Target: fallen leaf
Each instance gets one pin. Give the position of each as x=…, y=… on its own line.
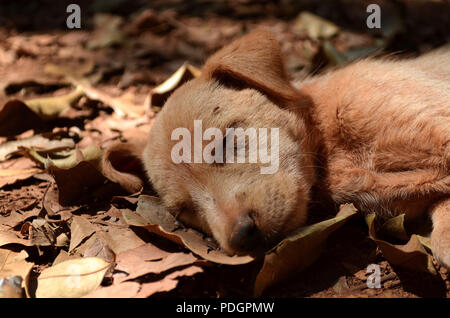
x=16, y=117
x=36, y=142
x=394, y=228
x=26, y=72
x=121, y=239
x=167, y=283
x=160, y=93
x=314, y=26
x=153, y=216
x=14, y=264
x=80, y=229
x=18, y=217
x=100, y=249
x=70, y=159
x=298, y=251
x=52, y=107
x=8, y=237
x=412, y=255
x=81, y=183
x=148, y=259
x=42, y=233
x=71, y=279
x=17, y=170
x=123, y=105
x=53, y=207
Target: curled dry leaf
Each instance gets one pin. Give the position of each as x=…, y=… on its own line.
x=151, y=215
x=314, y=26
x=70, y=159
x=298, y=251
x=36, y=142
x=72, y=279
x=160, y=93
x=412, y=255
x=52, y=107
x=77, y=182
x=123, y=105
x=8, y=237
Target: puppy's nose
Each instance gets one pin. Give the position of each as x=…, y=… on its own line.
x=245, y=236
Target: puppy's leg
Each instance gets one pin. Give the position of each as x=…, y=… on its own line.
x=440, y=236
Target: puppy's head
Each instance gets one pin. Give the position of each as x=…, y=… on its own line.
x=246, y=206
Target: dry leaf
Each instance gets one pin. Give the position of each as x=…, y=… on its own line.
x=37, y=142
x=298, y=251
x=121, y=239
x=394, y=228
x=16, y=117
x=100, y=249
x=52, y=107
x=72, y=279
x=71, y=158
x=148, y=259
x=81, y=182
x=314, y=26
x=80, y=229
x=412, y=255
x=20, y=169
x=153, y=216
x=8, y=237
x=14, y=264
x=42, y=233
x=160, y=93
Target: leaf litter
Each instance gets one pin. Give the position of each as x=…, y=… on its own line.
x=117, y=240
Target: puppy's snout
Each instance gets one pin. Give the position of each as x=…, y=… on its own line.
x=245, y=236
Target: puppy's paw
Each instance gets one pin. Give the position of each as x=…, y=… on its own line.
x=440, y=244
x=440, y=236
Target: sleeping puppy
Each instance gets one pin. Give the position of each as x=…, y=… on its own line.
x=375, y=133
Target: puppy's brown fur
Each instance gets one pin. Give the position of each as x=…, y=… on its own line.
x=376, y=133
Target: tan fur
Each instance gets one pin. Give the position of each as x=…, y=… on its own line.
x=376, y=133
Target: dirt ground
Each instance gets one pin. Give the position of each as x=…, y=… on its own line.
x=127, y=48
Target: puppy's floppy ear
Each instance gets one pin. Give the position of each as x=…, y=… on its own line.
x=254, y=60
x=122, y=163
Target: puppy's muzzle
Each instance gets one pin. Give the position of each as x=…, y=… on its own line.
x=245, y=236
